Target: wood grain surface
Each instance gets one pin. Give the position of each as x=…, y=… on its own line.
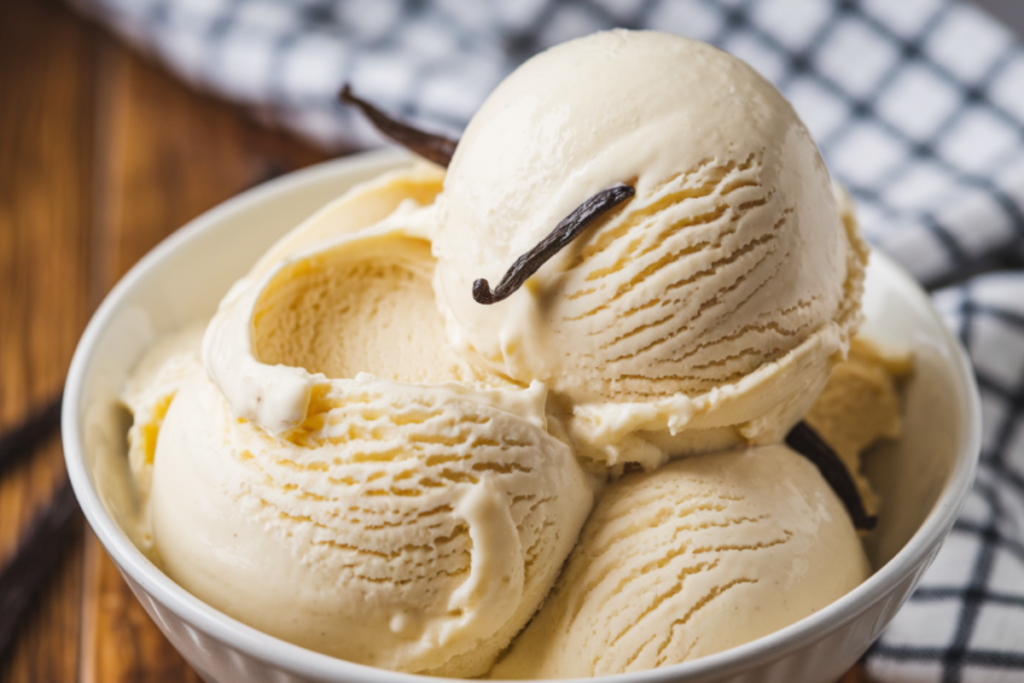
x=102, y=155
x=45, y=201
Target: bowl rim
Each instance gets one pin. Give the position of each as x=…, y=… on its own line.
x=301, y=661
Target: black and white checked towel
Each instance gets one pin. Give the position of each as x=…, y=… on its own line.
x=918, y=106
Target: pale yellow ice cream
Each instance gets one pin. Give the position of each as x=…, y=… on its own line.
x=364, y=305
x=398, y=508
x=704, y=312
x=705, y=554
x=860, y=405
x=409, y=528
x=299, y=315
x=363, y=206
x=168, y=364
x=364, y=461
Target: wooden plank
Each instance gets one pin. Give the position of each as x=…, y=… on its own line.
x=858, y=674
x=46, y=60
x=166, y=154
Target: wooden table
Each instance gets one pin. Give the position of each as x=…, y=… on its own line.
x=102, y=155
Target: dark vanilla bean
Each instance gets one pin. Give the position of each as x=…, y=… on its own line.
x=809, y=444
x=566, y=231
x=21, y=439
x=37, y=555
x=436, y=148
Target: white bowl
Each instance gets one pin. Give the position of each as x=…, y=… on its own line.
x=922, y=480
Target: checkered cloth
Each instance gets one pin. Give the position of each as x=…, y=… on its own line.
x=918, y=106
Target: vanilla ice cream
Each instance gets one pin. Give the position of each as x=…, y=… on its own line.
x=366, y=462
x=704, y=312
x=366, y=204
x=345, y=482
x=707, y=553
x=165, y=367
x=860, y=405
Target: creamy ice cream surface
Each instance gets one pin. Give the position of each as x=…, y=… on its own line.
x=161, y=372
x=410, y=513
x=717, y=296
x=359, y=458
x=860, y=405
x=406, y=527
x=706, y=553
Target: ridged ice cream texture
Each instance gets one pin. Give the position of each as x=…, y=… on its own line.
x=706, y=311
x=341, y=477
x=413, y=518
x=706, y=553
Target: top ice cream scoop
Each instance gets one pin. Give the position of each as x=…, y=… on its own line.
x=715, y=299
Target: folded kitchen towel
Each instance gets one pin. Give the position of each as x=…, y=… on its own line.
x=918, y=106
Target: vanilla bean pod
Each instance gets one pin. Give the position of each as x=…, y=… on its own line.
x=436, y=148
x=37, y=555
x=809, y=444
x=21, y=439
x=568, y=230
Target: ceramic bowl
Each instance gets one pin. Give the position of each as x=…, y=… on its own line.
x=922, y=480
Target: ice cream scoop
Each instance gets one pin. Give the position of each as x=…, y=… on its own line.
x=346, y=292
x=706, y=553
x=704, y=312
x=365, y=205
x=860, y=405
x=372, y=464
x=164, y=368
x=342, y=480
x=410, y=528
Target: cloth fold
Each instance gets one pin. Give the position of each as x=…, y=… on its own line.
x=917, y=105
